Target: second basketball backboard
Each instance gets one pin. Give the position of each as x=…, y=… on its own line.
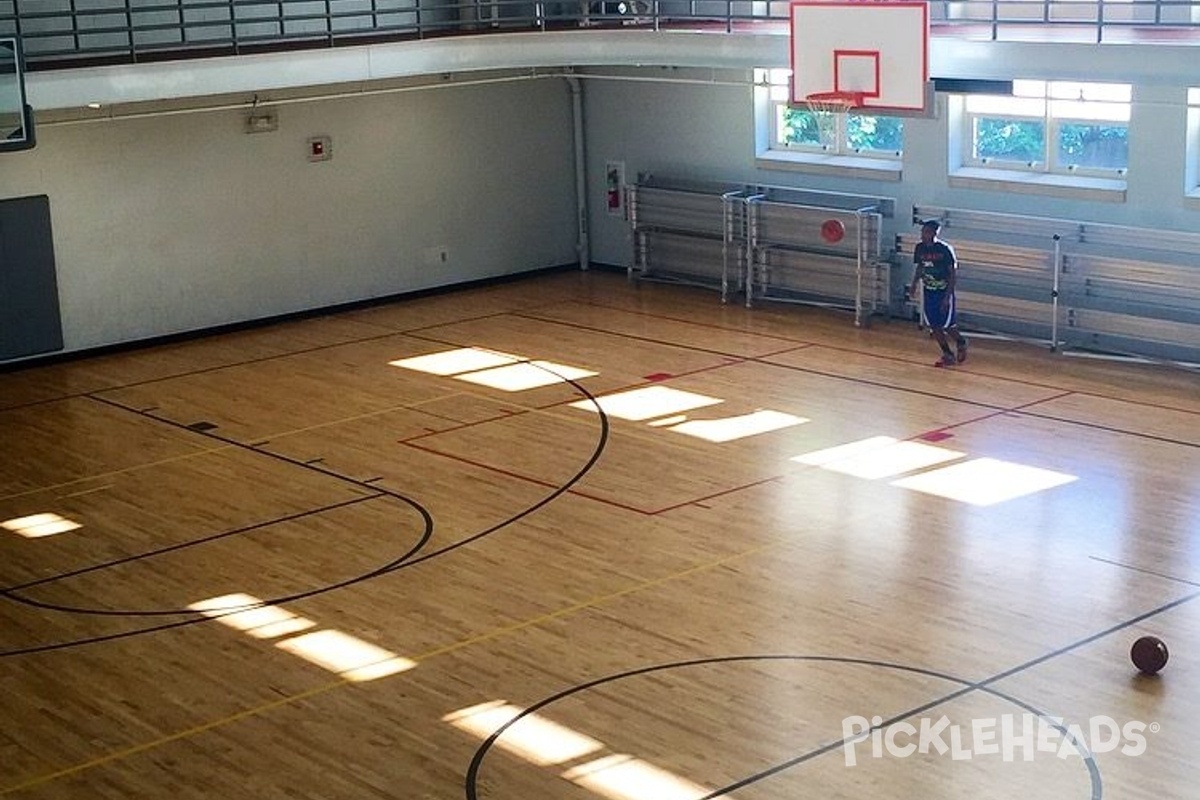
x=877, y=51
x=16, y=118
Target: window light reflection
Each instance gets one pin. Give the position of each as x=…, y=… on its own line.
x=533, y=738
x=531, y=375
x=647, y=403
x=36, y=526
x=258, y=620
x=851, y=450
x=892, y=459
x=739, y=427
x=454, y=362
x=985, y=481
x=623, y=777
x=351, y=658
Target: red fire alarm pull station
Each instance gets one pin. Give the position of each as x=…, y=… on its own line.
x=320, y=148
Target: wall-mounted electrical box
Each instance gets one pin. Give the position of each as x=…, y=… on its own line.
x=262, y=122
x=320, y=148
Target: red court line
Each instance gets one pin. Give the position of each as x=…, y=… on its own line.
x=524, y=478
x=596, y=498
x=693, y=501
x=801, y=344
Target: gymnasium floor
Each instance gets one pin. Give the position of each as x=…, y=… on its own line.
x=570, y=538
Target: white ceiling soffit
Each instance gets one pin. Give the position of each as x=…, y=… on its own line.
x=137, y=83
x=949, y=57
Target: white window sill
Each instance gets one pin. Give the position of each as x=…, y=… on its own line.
x=1192, y=199
x=1105, y=190
x=821, y=164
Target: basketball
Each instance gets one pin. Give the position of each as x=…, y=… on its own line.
x=1149, y=654
x=832, y=230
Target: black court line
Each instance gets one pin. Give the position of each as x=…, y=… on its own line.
x=968, y=687
x=993, y=411
x=407, y=559
x=195, y=617
x=1120, y=626
x=1172, y=366
x=411, y=560
x=391, y=566
x=561, y=489
x=133, y=350
x=801, y=344
x=527, y=312
x=1144, y=571
x=1023, y=408
x=765, y=359
x=471, y=779
x=1095, y=426
x=986, y=683
x=116, y=562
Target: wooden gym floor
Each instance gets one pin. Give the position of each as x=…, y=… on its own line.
x=303, y=561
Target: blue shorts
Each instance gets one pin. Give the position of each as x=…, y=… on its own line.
x=934, y=315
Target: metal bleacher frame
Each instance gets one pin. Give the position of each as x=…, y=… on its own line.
x=688, y=232
x=763, y=242
x=1077, y=286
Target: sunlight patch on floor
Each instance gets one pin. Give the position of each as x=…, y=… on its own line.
x=545, y=743
x=638, y=405
x=527, y=375
x=533, y=738
x=985, y=481
x=37, y=526
x=455, y=362
x=348, y=656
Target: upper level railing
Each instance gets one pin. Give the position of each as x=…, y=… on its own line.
x=60, y=33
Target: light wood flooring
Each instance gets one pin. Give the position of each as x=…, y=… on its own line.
x=439, y=588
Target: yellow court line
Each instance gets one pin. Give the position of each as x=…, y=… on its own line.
x=113, y=473
x=270, y=437
x=203, y=451
x=82, y=492
x=222, y=445
x=438, y=651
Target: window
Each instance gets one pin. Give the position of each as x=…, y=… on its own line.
x=1055, y=127
x=1191, y=173
x=803, y=130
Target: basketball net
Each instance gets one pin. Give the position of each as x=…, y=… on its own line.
x=825, y=108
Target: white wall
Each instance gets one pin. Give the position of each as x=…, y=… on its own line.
x=654, y=123
x=697, y=131
x=176, y=223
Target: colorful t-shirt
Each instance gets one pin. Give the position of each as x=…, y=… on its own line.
x=938, y=261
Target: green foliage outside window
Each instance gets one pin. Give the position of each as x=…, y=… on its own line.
x=1079, y=144
x=1090, y=145
x=864, y=133
x=802, y=127
x=1010, y=139
x=875, y=133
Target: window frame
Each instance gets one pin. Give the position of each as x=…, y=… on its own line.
x=1191, y=176
x=777, y=82
x=1052, y=98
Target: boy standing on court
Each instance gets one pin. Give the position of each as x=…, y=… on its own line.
x=936, y=267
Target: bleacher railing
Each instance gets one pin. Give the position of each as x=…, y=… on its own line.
x=57, y=33
x=1081, y=286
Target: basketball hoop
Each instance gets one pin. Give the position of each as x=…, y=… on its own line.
x=825, y=106
x=833, y=102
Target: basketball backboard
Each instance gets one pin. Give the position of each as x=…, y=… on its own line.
x=878, y=51
x=16, y=118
